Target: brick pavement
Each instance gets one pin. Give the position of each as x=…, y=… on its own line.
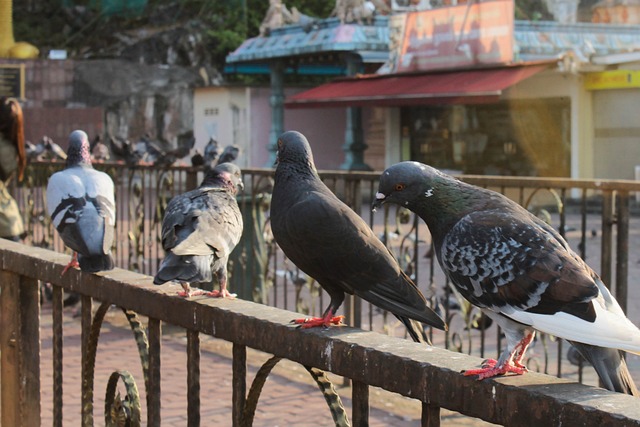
x=290, y=397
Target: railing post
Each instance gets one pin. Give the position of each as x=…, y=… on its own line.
x=360, y=409
x=154, y=335
x=20, y=350
x=192, y=180
x=430, y=415
x=57, y=304
x=239, y=393
x=606, y=250
x=622, y=249
x=87, y=388
x=193, y=378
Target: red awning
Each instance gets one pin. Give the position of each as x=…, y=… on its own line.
x=452, y=87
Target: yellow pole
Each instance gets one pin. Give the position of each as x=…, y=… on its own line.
x=6, y=27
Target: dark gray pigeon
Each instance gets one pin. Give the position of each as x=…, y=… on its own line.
x=81, y=204
x=200, y=228
x=518, y=270
x=331, y=243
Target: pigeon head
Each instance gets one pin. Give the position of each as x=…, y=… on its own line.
x=294, y=149
x=407, y=183
x=78, y=150
x=228, y=175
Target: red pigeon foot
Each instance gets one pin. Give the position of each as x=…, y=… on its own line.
x=214, y=294
x=72, y=264
x=314, y=322
x=489, y=369
x=186, y=290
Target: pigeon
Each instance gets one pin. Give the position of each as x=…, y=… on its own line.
x=331, y=243
x=81, y=204
x=34, y=151
x=210, y=152
x=52, y=149
x=122, y=150
x=518, y=270
x=197, y=160
x=99, y=150
x=229, y=154
x=200, y=228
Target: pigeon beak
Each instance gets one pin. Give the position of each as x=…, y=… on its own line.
x=380, y=200
x=241, y=186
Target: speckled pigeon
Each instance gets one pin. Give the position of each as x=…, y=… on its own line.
x=518, y=270
x=331, y=243
x=81, y=204
x=200, y=228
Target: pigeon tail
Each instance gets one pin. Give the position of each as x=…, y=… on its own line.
x=95, y=263
x=415, y=330
x=190, y=269
x=610, y=366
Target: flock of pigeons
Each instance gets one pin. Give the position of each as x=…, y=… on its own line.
x=145, y=151
x=516, y=268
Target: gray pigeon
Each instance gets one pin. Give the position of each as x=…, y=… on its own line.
x=334, y=245
x=81, y=204
x=200, y=228
x=518, y=270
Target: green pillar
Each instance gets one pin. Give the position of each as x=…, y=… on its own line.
x=277, y=110
x=354, y=145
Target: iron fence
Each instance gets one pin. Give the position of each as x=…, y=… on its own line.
x=430, y=375
x=594, y=215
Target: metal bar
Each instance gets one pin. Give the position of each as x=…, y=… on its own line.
x=360, y=409
x=20, y=350
x=87, y=388
x=193, y=378
x=622, y=249
x=29, y=351
x=57, y=305
x=154, y=335
x=238, y=398
x=430, y=415
x=9, y=355
x=606, y=250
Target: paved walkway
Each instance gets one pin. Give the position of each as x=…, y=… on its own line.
x=289, y=398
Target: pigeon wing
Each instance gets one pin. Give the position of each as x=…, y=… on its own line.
x=202, y=222
x=332, y=244
x=509, y=262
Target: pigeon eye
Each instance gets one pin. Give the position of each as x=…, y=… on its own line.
x=279, y=143
x=400, y=187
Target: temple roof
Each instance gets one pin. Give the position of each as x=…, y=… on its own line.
x=315, y=47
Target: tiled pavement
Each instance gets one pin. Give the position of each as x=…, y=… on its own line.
x=289, y=398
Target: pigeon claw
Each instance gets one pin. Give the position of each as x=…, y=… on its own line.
x=490, y=368
x=72, y=264
x=314, y=322
x=219, y=294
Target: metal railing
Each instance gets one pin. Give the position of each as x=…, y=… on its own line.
x=594, y=215
x=430, y=375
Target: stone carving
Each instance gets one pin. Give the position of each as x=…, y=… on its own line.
x=277, y=16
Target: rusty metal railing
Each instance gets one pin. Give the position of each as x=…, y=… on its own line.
x=596, y=217
x=430, y=375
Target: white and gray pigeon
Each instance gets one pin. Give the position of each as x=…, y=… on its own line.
x=81, y=204
x=327, y=240
x=518, y=270
x=200, y=228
